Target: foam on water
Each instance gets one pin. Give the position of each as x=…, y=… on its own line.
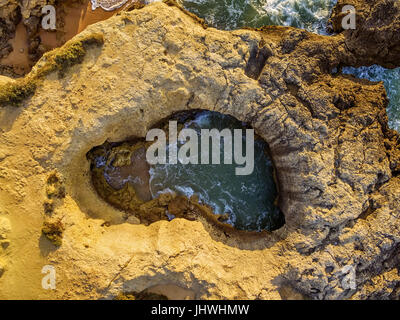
x=306, y=14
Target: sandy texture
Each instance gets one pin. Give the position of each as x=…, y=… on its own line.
x=376, y=38
x=23, y=40
x=337, y=164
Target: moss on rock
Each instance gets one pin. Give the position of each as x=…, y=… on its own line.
x=72, y=53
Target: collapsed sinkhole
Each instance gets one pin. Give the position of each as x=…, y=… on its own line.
x=125, y=177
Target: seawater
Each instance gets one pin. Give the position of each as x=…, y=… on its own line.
x=248, y=200
x=311, y=15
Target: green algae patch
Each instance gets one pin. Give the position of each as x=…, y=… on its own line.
x=74, y=52
x=58, y=60
x=70, y=54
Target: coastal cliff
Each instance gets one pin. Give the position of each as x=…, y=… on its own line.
x=337, y=162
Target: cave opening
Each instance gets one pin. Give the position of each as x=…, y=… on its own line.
x=196, y=190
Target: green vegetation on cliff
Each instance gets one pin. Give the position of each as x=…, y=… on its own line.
x=58, y=60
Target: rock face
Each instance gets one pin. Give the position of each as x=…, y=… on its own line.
x=22, y=22
x=10, y=15
x=337, y=163
x=5, y=229
x=376, y=39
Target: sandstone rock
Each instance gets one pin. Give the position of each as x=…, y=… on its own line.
x=133, y=220
x=4, y=80
x=337, y=162
x=2, y=268
x=5, y=227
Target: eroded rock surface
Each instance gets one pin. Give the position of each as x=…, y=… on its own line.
x=5, y=229
x=337, y=163
x=10, y=15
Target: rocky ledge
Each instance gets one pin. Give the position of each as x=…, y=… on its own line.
x=337, y=162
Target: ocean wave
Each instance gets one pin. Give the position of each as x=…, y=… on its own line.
x=232, y=14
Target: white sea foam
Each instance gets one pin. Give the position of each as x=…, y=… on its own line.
x=111, y=5
x=391, y=81
x=108, y=5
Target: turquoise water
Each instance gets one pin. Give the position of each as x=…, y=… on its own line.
x=305, y=14
x=247, y=199
x=232, y=14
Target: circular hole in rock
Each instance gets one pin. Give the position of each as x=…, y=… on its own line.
x=122, y=175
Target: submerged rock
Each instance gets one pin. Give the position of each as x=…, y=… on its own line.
x=337, y=161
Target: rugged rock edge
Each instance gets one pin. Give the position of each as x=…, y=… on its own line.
x=336, y=158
